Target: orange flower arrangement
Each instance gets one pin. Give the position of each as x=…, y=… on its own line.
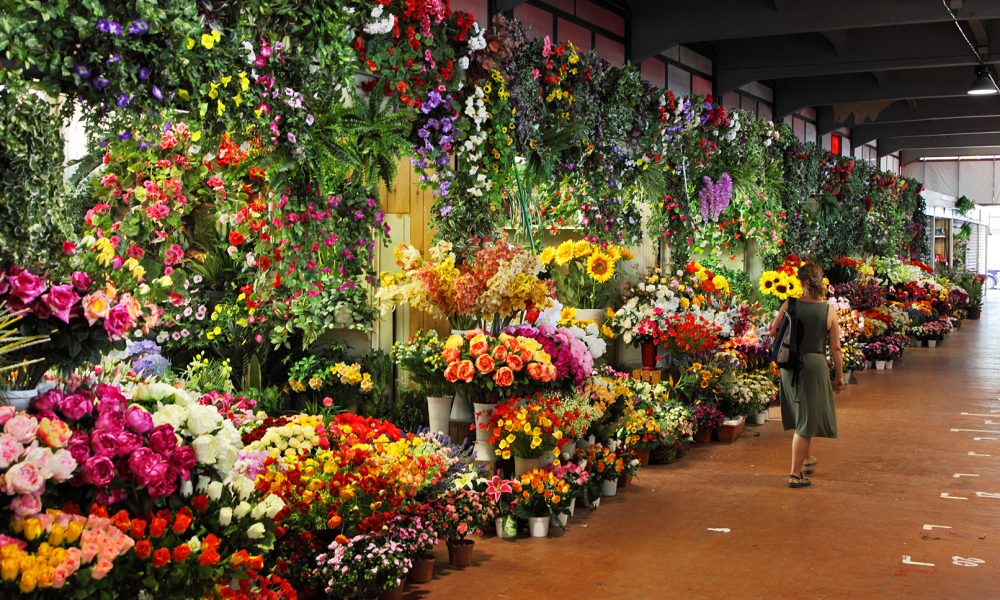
x=495, y=366
x=542, y=494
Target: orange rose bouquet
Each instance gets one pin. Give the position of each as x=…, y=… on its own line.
x=489, y=367
x=543, y=494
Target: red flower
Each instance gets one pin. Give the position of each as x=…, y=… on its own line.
x=236, y=238
x=181, y=553
x=143, y=549
x=157, y=527
x=161, y=557
x=200, y=503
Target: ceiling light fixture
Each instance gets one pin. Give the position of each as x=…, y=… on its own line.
x=984, y=83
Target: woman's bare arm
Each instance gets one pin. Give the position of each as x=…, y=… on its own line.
x=838, y=354
x=773, y=330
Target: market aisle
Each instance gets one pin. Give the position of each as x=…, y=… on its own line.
x=845, y=537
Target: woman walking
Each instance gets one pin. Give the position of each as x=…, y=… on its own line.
x=807, y=396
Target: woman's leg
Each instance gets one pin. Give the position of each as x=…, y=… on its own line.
x=800, y=451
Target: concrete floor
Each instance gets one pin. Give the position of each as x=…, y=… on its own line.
x=875, y=492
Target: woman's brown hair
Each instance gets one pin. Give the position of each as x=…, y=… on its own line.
x=811, y=277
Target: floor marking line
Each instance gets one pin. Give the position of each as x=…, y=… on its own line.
x=991, y=415
x=974, y=453
x=908, y=560
x=958, y=561
x=948, y=496
x=975, y=430
x=979, y=439
x=928, y=527
x=720, y=529
x=988, y=495
x=958, y=475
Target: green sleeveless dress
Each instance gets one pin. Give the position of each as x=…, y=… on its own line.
x=807, y=406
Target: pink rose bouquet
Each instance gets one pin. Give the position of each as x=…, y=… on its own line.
x=32, y=452
x=115, y=443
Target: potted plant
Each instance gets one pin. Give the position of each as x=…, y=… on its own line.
x=972, y=283
x=543, y=496
x=505, y=494
x=364, y=566
x=421, y=356
x=604, y=466
x=708, y=418
x=527, y=429
x=578, y=479
x=464, y=511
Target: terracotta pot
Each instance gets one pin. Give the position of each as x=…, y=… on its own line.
x=460, y=553
x=422, y=570
x=703, y=436
x=648, y=356
x=643, y=455
x=624, y=481
x=729, y=433
x=395, y=593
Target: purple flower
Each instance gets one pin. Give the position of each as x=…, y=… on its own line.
x=82, y=71
x=124, y=136
x=100, y=82
x=138, y=27
x=714, y=197
x=446, y=210
x=310, y=119
x=123, y=100
x=114, y=59
x=144, y=73
x=358, y=215
x=157, y=93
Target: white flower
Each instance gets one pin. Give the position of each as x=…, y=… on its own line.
x=187, y=488
x=380, y=27
x=255, y=531
x=215, y=490
x=258, y=512
x=225, y=516
x=205, y=449
x=274, y=505
x=242, y=509
x=156, y=390
x=171, y=414
x=463, y=63
x=203, y=419
x=194, y=544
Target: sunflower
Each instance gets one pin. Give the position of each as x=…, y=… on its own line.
x=781, y=287
x=582, y=248
x=794, y=288
x=600, y=266
x=767, y=281
x=547, y=255
x=567, y=315
x=564, y=253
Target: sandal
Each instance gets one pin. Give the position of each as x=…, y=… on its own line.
x=809, y=468
x=800, y=481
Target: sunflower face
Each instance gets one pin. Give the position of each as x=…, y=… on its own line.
x=547, y=255
x=600, y=267
x=565, y=253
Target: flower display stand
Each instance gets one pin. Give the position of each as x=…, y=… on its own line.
x=731, y=429
x=703, y=436
x=651, y=377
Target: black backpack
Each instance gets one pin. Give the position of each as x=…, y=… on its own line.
x=786, y=347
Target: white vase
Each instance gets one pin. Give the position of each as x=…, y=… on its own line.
x=597, y=315
x=558, y=520
x=439, y=412
x=19, y=399
x=569, y=450
x=522, y=465
x=880, y=365
x=538, y=526
x=760, y=418
x=483, y=414
x=932, y=343
x=501, y=533
x=461, y=408
x=485, y=451
x=888, y=364
x=609, y=488
x=572, y=506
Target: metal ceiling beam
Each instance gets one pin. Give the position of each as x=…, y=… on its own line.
x=738, y=62
x=910, y=155
x=794, y=93
x=661, y=24
x=967, y=140
x=865, y=133
x=849, y=115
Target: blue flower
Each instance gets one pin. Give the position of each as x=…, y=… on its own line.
x=114, y=58
x=100, y=82
x=144, y=73
x=82, y=71
x=157, y=93
x=138, y=27
x=124, y=136
x=123, y=100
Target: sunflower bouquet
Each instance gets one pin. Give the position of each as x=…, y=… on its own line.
x=783, y=283
x=584, y=272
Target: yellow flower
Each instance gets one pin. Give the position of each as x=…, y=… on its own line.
x=567, y=314
x=208, y=41
x=767, y=281
x=582, y=248
x=600, y=267
x=190, y=43
x=547, y=255
x=565, y=253
x=607, y=331
x=184, y=94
